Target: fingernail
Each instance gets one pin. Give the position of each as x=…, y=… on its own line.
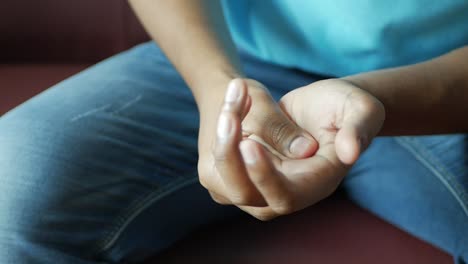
x=299, y=146
x=233, y=91
x=248, y=152
x=224, y=126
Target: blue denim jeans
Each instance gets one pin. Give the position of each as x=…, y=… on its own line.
x=101, y=168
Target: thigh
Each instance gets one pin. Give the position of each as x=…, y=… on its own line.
x=419, y=184
x=102, y=167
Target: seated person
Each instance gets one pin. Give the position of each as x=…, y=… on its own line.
x=269, y=105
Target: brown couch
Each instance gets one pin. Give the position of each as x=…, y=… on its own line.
x=45, y=41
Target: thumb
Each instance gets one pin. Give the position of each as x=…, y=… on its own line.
x=286, y=137
x=272, y=127
x=356, y=133
x=349, y=143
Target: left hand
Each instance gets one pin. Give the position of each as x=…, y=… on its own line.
x=340, y=116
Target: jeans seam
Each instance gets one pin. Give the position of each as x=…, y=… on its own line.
x=136, y=208
x=437, y=169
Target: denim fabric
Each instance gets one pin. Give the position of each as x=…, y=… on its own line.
x=419, y=184
x=101, y=168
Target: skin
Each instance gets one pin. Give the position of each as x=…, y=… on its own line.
x=338, y=118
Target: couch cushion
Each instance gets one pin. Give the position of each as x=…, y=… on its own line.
x=330, y=232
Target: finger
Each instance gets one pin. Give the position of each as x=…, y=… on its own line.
x=361, y=122
x=268, y=181
x=286, y=137
x=314, y=178
x=211, y=180
x=236, y=97
x=349, y=144
x=359, y=126
x=219, y=198
x=276, y=129
x=261, y=213
x=247, y=105
x=228, y=160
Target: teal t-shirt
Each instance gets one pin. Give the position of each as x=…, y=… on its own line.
x=342, y=37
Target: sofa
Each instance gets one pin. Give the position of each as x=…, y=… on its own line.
x=43, y=42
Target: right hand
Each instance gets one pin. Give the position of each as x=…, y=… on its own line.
x=262, y=120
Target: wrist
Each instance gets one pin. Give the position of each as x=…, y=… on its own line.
x=209, y=88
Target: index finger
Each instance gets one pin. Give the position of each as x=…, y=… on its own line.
x=228, y=160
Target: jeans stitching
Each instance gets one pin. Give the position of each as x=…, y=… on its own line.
x=437, y=168
x=136, y=208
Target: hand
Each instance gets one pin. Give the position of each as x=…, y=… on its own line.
x=249, y=102
x=340, y=116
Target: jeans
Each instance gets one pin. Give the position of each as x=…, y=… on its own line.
x=101, y=168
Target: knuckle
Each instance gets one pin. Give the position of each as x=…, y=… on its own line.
x=203, y=182
x=367, y=105
x=218, y=199
x=201, y=168
x=364, y=106
x=284, y=206
x=206, y=179
x=242, y=197
x=278, y=130
x=262, y=216
x=239, y=198
x=220, y=155
x=203, y=173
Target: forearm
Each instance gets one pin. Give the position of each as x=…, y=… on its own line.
x=194, y=36
x=425, y=98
